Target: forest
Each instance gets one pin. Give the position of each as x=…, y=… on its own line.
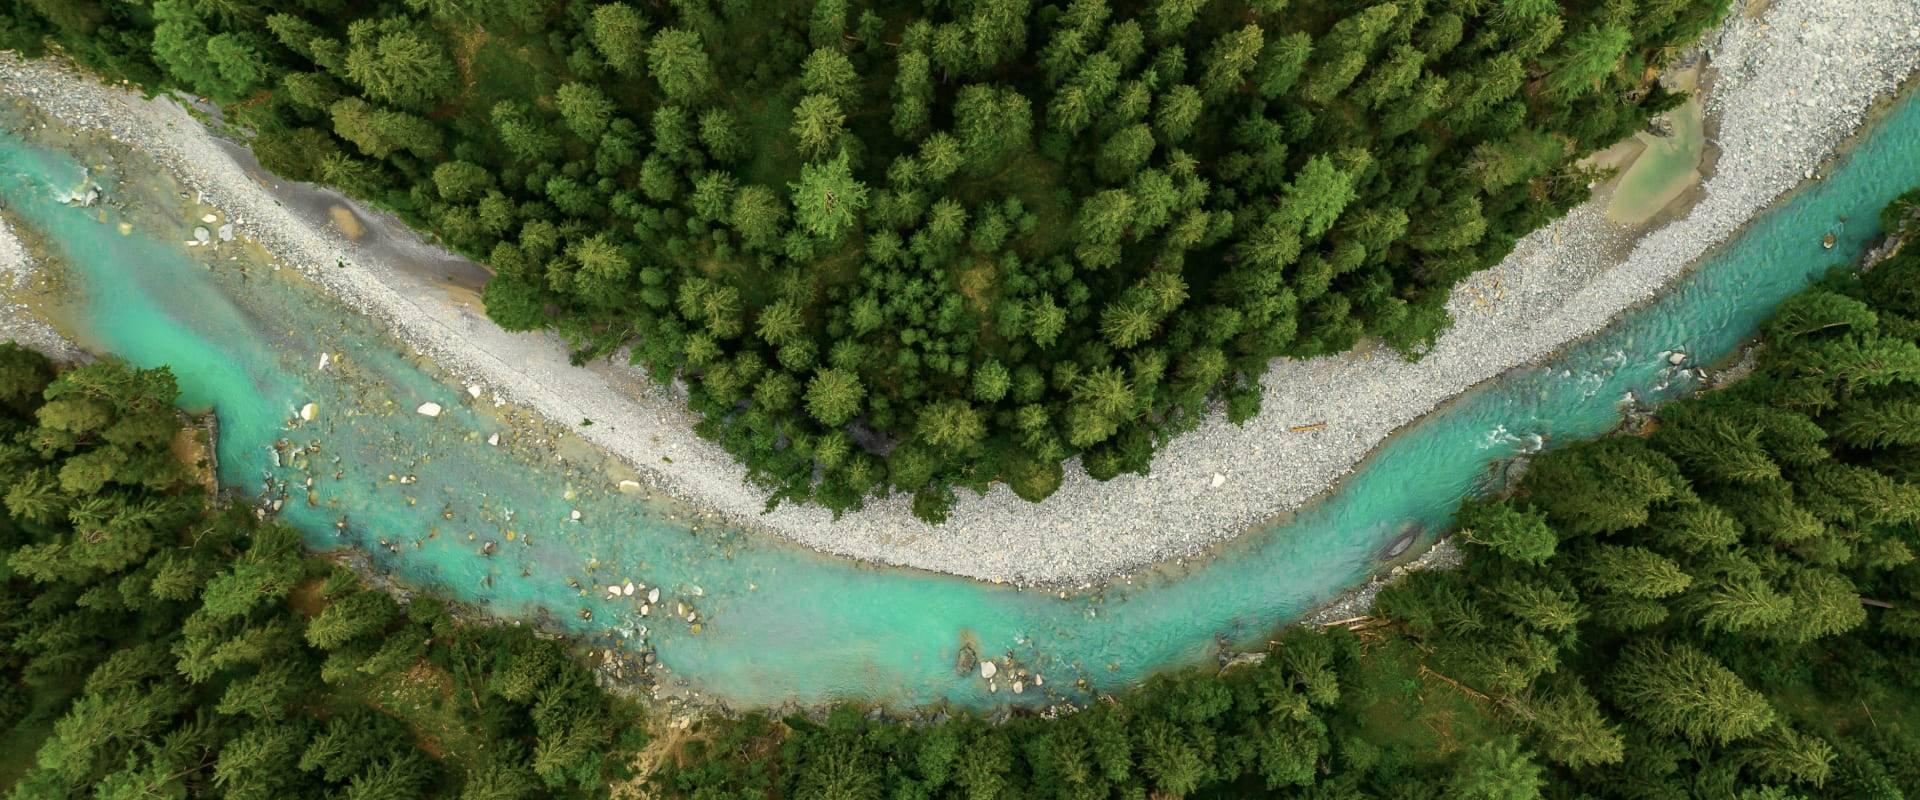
x=155, y=646
x=1722, y=601
x=903, y=247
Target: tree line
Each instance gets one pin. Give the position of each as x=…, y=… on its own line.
x=906, y=247
x=1726, y=605
x=154, y=646
x=1723, y=603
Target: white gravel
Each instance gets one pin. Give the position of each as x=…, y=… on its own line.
x=1791, y=87
x=17, y=321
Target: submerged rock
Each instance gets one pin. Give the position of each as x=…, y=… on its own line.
x=1676, y=358
x=308, y=412
x=988, y=669
x=429, y=409
x=965, y=663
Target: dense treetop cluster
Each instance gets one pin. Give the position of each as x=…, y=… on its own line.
x=152, y=648
x=905, y=246
x=1726, y=606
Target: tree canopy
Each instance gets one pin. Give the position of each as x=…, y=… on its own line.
x=927, y=194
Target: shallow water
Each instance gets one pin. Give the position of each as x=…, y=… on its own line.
x=1664, y=170
x=778, y=623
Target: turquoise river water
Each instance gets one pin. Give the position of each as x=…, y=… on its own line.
x=778, y=623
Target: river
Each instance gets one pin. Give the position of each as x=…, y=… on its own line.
x=774, y=623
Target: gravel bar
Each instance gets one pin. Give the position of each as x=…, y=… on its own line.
x=1791, y=86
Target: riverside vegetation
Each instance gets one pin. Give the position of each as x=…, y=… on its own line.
x=152, y=648
x=1724, y=602
x=906, y=247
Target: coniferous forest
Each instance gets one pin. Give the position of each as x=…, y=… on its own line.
x=1723, y=602
x=907, y=247
x=154, y=647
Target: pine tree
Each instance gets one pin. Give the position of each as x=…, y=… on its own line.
x=618, y=32
x=818, y=124
x=1341, y=55
x=828, y=200
x=827, y=71
x=1511, y=532
x=1633, y=571
x=1229, y=61
x=1588, y=57
x=758, y=215
x=1571, y=729
x=1872, y=422
x=833, y=396
x=678, y=62
x=1677, y=689
x=398, y=62
x=584, y=109
x=1495, y=770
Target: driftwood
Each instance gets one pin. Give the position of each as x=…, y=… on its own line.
x=1312, y=426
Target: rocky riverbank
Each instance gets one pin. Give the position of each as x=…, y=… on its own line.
x=1791, y=85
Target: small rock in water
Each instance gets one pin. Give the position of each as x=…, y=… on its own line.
x=1218, y=479
x=209, y=219
x=574, y=515
x=988, y=669
x=627, y=589
x=966, y=661
x=1677, y=358
x=1019, y=687
x=645, y=609
x=202, y=235
x=474, y=391
x=653, y=595
x=629, y=486
x=325, y=359
x=308, y=412
x=494, y=440
x=226, y=232
x=429, y=409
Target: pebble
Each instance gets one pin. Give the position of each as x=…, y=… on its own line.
x=1557, y=285
x=429, y=409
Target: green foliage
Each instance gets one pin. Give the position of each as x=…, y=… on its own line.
x=163, y=659
x=964, y=183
